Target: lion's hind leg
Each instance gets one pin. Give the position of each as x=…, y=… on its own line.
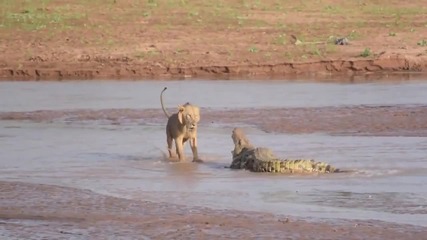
x=169, y=140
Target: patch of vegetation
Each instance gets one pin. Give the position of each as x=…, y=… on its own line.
x=289, y=56
x=152, y=3
x=392, y=34
x=146, y=14
x=319, y=50
x=332, y=9
x=331, y=48
x=267, y=55
x=253, y=49
x=36, y=15
x=361, y=24
x=354, y=35
x=385, y=10
x=316, y=51
x=280, y=25
x=366, y=53
x=280, y=40
x=422, y=43
x=181, y=51
x=145, y=54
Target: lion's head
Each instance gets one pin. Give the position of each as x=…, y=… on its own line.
x=189, y=115
x=239, y=138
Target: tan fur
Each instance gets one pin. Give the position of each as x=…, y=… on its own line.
x=240, y=141
x=182, y=126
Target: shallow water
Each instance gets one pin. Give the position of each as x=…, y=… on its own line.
x=30, y=96
x=127, y=160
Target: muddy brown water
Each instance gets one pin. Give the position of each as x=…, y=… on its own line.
x=125, y=157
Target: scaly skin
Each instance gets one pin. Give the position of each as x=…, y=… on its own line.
x=246, y=156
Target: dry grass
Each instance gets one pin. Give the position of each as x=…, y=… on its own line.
x=169, y=24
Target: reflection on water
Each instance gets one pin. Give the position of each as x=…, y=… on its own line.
x=128, y=160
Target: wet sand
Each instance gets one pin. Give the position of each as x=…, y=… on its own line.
x=403, y=120
x=53, y=212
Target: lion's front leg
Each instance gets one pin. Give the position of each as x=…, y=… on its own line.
x=180, y=148
x=193, y=144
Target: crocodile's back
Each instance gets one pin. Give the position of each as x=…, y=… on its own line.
x=292, y=166
x=265, y=161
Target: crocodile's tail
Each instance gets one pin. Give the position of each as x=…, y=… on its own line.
x=323, y=167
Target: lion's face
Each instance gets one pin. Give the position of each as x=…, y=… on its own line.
x=189, y=115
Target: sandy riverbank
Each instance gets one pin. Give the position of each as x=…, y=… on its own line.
x=43, y=211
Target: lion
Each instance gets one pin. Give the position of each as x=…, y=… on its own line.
x=182, y=126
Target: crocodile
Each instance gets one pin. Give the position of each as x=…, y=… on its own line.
x=262, y=159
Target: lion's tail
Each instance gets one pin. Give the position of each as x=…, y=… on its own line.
x=161, y=102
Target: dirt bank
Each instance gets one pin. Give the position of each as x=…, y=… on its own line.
x=126, y=39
